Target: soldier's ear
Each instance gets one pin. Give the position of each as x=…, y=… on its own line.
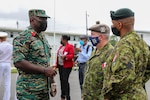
x=100, y=37
x=120, y=25
x=31, y=19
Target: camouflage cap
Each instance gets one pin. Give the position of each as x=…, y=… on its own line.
x=121, y=14
x=101, y=28
x=3, y=34
x=37, y=12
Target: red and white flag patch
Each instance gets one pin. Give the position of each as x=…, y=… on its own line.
x=104, y=65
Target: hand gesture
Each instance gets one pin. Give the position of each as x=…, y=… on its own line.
x=50, y=72
x=78, y=49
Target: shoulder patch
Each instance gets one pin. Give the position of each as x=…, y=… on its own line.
x=104, y=65
x=33, y=33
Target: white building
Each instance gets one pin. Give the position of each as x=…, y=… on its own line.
x=54, y=38
x=145, y=35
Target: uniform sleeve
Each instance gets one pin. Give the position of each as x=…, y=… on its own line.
x=123, y=67
x=121, y=71
x=10, y=50
x=147, y=72
x=19, y=50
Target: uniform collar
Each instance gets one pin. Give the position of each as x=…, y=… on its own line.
x=128, y=33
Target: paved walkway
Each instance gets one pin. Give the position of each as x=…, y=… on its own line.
x=74, y=86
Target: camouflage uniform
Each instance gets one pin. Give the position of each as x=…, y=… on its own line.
x=147, y=72
x=125, y=68
x=94, y=75
x=36, y=50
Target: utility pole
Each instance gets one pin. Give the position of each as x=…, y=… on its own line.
x=17, y=23
x=86, y=15
x=54, y=51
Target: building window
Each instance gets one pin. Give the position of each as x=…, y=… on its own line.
x=77, y=38
x=74, y=38
x=11, y=35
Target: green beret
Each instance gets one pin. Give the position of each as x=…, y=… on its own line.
x=37, y=12
x=101, y=28
x=121, y=14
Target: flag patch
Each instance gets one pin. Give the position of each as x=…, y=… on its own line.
x=104, y=65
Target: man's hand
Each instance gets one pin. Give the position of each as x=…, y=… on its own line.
x=78, y=49
x=50, y=72
x=54, y=67
x=76, y=62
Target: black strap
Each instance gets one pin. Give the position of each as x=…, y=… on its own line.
x=87, y=49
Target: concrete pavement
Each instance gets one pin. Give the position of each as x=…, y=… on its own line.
x=74, y=87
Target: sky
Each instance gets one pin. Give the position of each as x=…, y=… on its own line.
x=70, y=15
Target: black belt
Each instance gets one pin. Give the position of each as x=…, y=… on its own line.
x=82, y=63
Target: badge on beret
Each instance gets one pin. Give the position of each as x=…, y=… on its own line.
x=102, y=29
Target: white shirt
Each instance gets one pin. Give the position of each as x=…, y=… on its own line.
x=60, y=53
x=6, y=50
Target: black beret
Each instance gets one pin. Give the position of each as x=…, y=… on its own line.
x=101, y=28
x=121, y=14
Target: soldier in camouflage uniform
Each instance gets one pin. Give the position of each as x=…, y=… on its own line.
x=147, y=72
x=94, y=74
x=31, y=56
x=125, y=67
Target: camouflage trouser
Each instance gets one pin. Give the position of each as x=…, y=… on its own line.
x=93, y=96
x=40, y=95
x=27, y=90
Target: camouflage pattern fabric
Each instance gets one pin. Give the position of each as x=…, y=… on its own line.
x=125, y=68
x=94, y=74
x=38, y=12
x=33, y=47
x=147, y=72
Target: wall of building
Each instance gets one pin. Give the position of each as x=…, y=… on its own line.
x=55, y=43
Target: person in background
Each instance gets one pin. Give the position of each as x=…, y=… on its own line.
x=31, y=57
x=6, y=50
x=64, y=63
x=125, y=68
x=93, y=82
x=84, y=53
